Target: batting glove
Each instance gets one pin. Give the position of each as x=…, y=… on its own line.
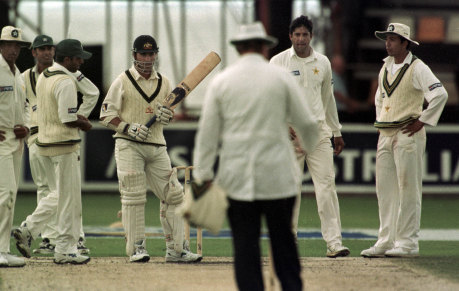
x=164, y=114
x=138, y=131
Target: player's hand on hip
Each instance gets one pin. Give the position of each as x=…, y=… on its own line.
x=138, y=131
x=338, y=141
x=84, y=123
x=164, y=114
x=20, y=131
x=413, y=127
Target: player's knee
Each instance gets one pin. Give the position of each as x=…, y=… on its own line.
x=174, y=190
x=132, y=187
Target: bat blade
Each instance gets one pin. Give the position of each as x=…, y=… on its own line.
x=189, y=83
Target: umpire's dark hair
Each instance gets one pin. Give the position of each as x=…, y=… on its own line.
x=301, y=21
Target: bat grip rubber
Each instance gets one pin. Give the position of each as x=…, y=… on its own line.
x=151, y=121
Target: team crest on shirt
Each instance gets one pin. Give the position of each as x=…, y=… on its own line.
x=149, y=110
x=315, y=71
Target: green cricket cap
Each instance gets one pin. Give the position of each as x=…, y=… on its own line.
x=42, y=40
x=72, y=48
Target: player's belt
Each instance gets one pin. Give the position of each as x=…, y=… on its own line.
x=146, y=143
x=393, y=124
x=58, y=143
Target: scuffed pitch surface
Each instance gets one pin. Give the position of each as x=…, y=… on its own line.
x=215, y=274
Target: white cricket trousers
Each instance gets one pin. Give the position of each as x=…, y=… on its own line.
x=38, y=171
x=10, y=167
x=152, y=166
x=320, y=165
x=64, y=178
x=44, y=218
x=399, y=189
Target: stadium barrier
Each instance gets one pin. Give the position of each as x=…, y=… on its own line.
x=355, y=167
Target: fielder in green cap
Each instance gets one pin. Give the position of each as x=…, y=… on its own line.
x=43, y=219
x=60, y=122
x=71, y=48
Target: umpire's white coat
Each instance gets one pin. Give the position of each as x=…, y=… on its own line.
x=246, y=113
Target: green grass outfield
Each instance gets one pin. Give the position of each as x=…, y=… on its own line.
x=440, y=257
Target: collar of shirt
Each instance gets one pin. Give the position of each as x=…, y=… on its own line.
x=252, y=56
x=57, y=66
x=390, y=60
x=137, y=76
x=312, y=56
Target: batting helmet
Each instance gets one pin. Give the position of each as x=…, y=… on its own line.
x=145, y=44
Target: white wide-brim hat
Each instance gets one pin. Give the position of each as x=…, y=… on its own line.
x=396, y=28
x=253, y=31
x=13, y=34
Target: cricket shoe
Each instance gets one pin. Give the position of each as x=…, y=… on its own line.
x=399, y=252
x=45, y=247
x=75, y=259
x=374, y=252
x=82, y=249
x=140, y=255
x=184, y=257
x=23, y=240
x=9, y=260
x=337, y=250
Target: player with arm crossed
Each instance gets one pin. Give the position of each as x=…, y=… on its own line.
x=141, y=155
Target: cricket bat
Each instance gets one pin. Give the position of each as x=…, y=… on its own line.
x=189, y=83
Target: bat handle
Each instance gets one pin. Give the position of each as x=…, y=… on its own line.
x=151, y=121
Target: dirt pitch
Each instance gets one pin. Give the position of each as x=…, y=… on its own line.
x=215, y=274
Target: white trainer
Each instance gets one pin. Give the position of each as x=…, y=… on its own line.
x=140, y=255
x=75, y=259
x=337, y=250
x=374, y=252
x=399, y=252
x=9, y=260
x=184, y=257
x=23, y=240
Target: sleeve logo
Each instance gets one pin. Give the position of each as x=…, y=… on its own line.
x=296, y=73
x=6, y=88
x=435, y=85
x=72, y=110
x=80, y=77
